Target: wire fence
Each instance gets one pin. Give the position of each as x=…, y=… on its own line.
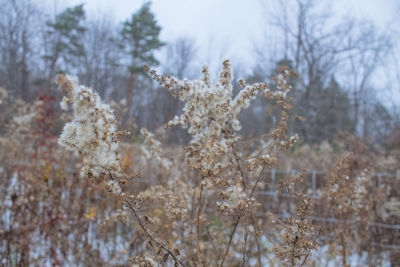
x=315, y=184
x=314, y=181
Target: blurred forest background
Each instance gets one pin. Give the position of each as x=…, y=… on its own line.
x=349, y=67
x=348, y=99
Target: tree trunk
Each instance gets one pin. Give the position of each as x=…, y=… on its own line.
x=129, y=98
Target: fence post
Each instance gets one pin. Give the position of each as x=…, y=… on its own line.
x=293, y=173
x=272, y=187
x=379, y=180
x=314, y=184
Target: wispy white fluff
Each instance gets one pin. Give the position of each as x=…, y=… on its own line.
x=92, y=130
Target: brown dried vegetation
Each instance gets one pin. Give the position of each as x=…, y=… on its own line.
x=201, y=205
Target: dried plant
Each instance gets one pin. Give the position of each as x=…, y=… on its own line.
x=225, y=176
x=110, y=203
x=298, y=234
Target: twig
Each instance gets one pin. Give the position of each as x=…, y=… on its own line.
x=343, y=249
x=239, y=217
x=338, y=170
x=245, y=246
x=253, y=221
x=258, y=250
x=319, y=230
x=257, y=181
x=238, y=165
x=230, y=240
x=292, y=256
x=149, y=235
x=198, y=225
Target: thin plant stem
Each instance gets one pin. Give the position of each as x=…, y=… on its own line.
x=235, y=154
x=343, y=249
x=319, y=230
x=245, y=247
x=230, y=240
x=139, y=220
x=198, y=225
x=256, y=238
x=239, y=217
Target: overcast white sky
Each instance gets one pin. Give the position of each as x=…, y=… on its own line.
x=230, y=26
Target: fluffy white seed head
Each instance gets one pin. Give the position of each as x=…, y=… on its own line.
x=92, y=131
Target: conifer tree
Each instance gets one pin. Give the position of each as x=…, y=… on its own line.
x=64, y=39
x=140, y=39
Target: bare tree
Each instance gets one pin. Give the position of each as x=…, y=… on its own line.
x=17, y=22
x=393, y=69
x=321, y=45
x=360, y=82
x=100, y=65
x=180, y=56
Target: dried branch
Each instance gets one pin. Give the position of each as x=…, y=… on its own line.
x=139, y=220
x=198, y=225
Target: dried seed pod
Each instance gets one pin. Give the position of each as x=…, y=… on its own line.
x=177, y=252
x=159, y=250
x=149, y=244
x=165, y=258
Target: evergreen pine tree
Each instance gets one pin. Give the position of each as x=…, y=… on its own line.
x=140, y=39
x=65, y=40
